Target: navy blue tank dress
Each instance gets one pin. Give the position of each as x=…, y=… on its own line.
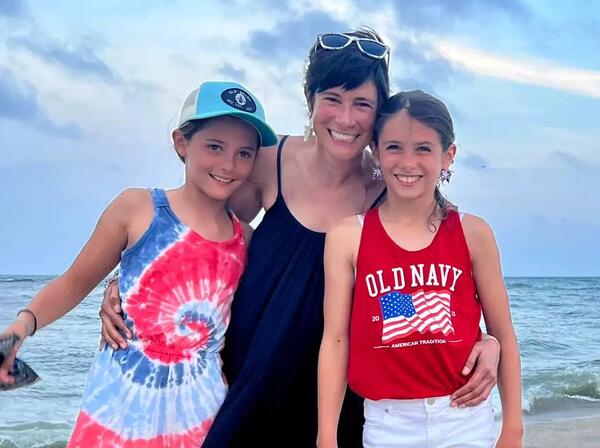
x=272, y=344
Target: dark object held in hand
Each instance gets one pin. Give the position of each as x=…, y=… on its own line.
x=20, y=371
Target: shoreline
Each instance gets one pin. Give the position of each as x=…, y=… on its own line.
x=562, y=431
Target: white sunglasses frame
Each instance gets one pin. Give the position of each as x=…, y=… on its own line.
x=358, y=40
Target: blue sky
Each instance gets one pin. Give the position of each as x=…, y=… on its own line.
x=89, y=92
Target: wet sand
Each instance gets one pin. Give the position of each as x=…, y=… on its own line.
x=568, y=433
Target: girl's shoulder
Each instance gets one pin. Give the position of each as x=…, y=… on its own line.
x=478, y=233
x=345, y=235
x=133, y=204
x=134, y=199
x=348, y=226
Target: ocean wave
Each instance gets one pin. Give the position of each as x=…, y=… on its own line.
x=5, y=443
x=40, y=426
x=572, y=388
x=39, y=434
x=18, y=280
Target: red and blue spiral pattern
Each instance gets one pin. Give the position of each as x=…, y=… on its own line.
x=166, y=388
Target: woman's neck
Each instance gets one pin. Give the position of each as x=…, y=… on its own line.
x=327, y=170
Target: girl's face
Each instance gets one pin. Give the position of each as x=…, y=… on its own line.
x=411, y=157
x=220, y=156
x=343, y=119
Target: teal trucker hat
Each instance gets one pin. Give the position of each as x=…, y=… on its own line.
x=218, y=98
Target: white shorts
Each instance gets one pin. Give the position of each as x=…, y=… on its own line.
x=428, y=423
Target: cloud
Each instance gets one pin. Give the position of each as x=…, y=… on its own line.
x=540, y=73
x=19, y=103
x=568, y=159
x=79, y=59
x=292, y=39
x=436, y=14
x=233, y=73
x=12, y=8
x=420, y=68
x=470, y=160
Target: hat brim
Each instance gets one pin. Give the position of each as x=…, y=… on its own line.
x=267, y=136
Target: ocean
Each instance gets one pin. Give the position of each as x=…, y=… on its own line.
x=557, y=322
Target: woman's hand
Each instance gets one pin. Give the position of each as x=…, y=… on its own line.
x=112, y=322
x=20, y=329
x=485, y=357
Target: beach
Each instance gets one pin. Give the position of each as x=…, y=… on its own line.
x=563, y=433
x=556, y=320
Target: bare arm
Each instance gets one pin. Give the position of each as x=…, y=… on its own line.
x=496, y=311
x=97, y=258
x=248, y=200
x=484, y=359
x=333, y=356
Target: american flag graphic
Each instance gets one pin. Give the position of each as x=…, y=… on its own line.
x=421, y=311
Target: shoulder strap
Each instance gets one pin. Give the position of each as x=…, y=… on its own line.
x=159, y=198
x=379, y=199
x=238, y=228
x=279, y=148
x=361, y=220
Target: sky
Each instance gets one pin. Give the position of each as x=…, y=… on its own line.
x=90, y=91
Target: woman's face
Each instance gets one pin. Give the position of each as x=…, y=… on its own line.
x=343, y=119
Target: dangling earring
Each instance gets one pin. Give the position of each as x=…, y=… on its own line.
x=445, y=176
x=377, y=173
x=308, y=130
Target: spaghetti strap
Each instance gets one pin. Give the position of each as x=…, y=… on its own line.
x=238, y=229
x=279, y=148
x=379, y=199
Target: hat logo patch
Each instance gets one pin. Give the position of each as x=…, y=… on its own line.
x=239, y=99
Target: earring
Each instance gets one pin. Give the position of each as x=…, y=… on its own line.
x=377, y=174
x=308, y=130
x=445, y=176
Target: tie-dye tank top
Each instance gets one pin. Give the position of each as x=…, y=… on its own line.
x=166, y=387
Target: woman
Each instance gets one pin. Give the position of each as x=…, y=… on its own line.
x=305, y=185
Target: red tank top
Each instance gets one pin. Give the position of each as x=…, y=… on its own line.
x=415, y=316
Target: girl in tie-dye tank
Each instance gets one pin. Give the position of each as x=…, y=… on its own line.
x=182, y=254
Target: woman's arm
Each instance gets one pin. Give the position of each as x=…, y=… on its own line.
x=97, y=258
x=496, y=311
x=333, y=356
x=247, y=201
x=483, y=359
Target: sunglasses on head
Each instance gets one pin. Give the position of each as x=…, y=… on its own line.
x=337, y=41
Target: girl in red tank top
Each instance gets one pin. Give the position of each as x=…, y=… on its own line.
x=405, y=288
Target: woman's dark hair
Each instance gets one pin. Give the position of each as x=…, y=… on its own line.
x=347, y=68
x=430, y=111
